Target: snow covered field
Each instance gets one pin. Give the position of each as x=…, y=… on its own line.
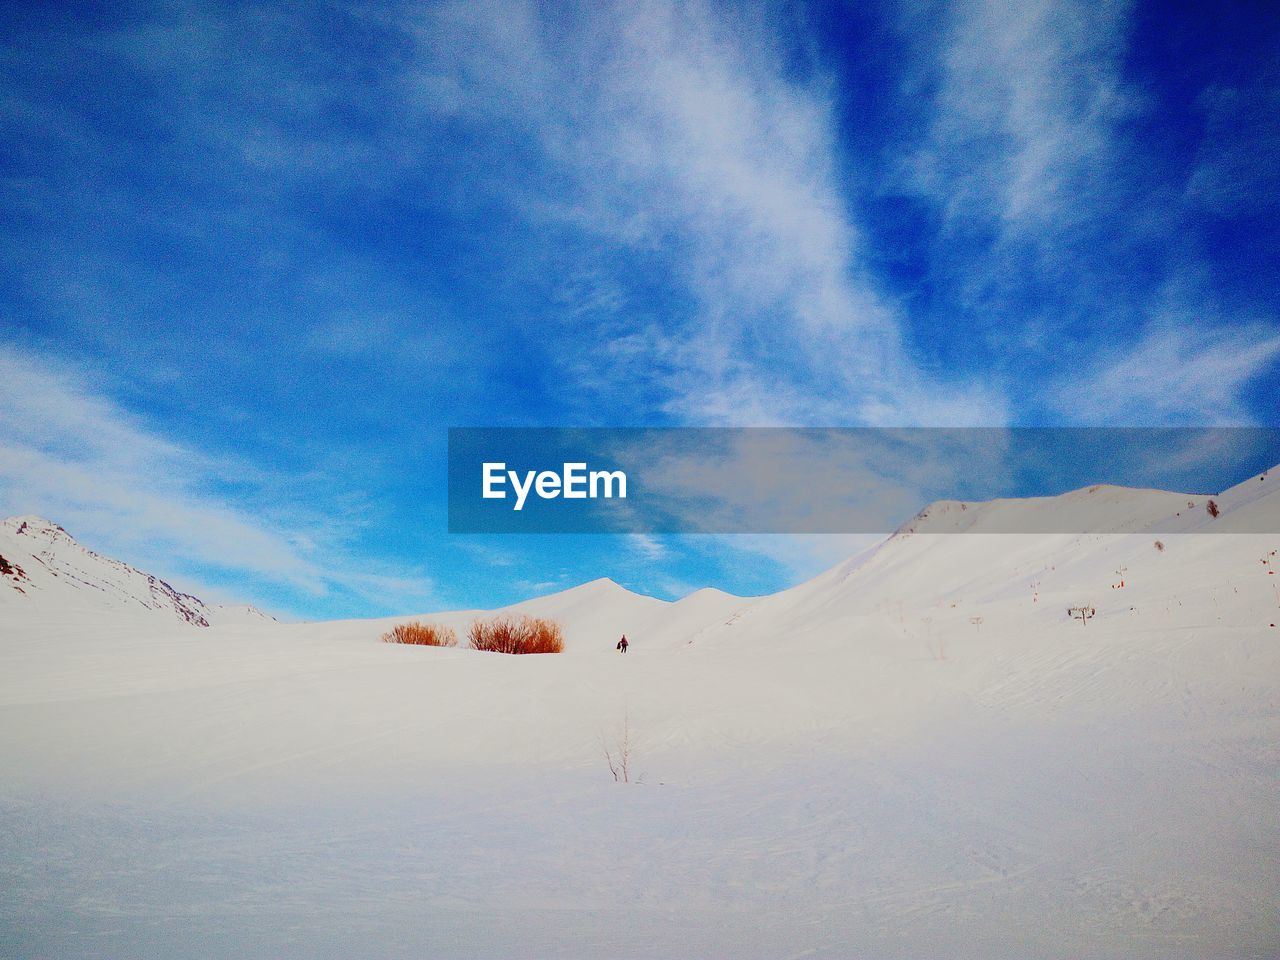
x=917, y=754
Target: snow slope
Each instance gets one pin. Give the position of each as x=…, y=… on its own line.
x=44, y=571
x=915, y=754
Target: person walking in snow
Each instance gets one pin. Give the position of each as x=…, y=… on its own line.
x=622, y=644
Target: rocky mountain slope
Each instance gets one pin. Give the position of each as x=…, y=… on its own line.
x=43, y=568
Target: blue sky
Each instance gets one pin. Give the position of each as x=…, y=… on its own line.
x=257, y=258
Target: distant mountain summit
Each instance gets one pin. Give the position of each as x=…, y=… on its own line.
x=1108, y=509
x=43, y=566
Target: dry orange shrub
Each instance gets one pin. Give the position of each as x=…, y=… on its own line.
x=505, y=634
x=421, y=634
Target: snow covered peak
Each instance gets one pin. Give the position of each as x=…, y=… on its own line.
x=709, y=595
x=37, y=528
x=43, y=569
x=1101, y=508
x=240, y=613
x=602, y=585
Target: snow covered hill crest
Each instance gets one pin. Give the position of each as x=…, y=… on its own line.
x=42, y=567
x=1110, y=509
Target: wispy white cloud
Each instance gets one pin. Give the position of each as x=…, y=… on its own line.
x=670, y=126
x=1235, y=171
x=1180, y=372
x=1029, y=158
x=647, y=546
x=69, y=452
x=1029, y=98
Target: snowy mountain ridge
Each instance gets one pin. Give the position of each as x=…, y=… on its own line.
x=43, y=567
x=1099, y=508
